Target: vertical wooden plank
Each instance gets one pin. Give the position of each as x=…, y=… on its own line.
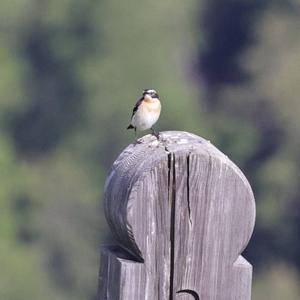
x=211, y=227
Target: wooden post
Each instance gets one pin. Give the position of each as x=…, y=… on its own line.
x=182, y=213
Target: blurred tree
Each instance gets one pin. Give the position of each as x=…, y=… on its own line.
x=228, y=31
x=43, y=46
x=55, y=94
x=234, y=68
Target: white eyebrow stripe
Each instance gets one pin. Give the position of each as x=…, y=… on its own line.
x=151, y=91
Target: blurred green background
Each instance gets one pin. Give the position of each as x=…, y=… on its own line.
x=70, y=73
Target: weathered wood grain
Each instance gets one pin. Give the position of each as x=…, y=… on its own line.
x=182, y=213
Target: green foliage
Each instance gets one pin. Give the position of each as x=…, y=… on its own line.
x=71, y=72
x=276, y=282
x=263, y=137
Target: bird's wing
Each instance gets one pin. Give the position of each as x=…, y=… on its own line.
x=137, y=106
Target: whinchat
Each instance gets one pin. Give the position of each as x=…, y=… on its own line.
x=146, y=112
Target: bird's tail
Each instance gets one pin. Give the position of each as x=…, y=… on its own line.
x=130, y=127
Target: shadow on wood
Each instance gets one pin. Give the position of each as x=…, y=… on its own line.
x=182, y=213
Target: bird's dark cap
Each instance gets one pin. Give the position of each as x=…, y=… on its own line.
x=150, y=92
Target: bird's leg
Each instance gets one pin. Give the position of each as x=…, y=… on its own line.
x=156, y=134
x=135, y=136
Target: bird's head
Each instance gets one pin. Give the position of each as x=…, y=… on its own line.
x=152, y=93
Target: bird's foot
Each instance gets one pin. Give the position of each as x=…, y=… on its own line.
x=156, y=134
x=138, y=141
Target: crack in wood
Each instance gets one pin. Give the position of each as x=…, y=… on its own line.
x=169, y=172
x=172, y=188
x=188, y=187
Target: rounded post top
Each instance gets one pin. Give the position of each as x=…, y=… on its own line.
x=133, y=171
x=149, y=150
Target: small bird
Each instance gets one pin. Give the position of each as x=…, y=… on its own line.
x=146, y=112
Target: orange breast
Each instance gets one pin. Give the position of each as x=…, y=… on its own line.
x=151, y=106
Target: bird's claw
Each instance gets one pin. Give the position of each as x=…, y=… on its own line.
x=137, y=142
x=157, y=135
